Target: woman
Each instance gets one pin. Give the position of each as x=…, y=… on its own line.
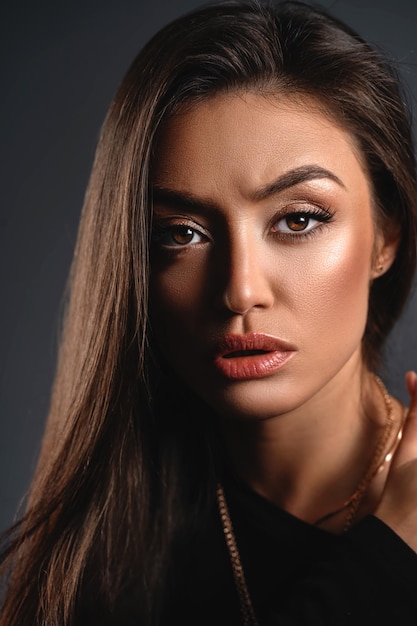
x=219, y=449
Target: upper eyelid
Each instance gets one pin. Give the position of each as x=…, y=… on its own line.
x=313, y=210
x=295, y=206
x=168, y=221
x=177, y=219
x=304, y=206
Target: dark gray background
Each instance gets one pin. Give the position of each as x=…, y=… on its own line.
x=60, y=65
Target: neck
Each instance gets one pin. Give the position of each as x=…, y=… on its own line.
x=310, y=460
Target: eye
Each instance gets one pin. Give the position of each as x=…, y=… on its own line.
x=176, y=236
x=296, y=222
x=301, y=222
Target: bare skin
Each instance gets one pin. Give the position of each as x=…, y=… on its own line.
x=265, y=225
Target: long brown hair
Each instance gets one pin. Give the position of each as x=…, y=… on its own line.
x=112, y=492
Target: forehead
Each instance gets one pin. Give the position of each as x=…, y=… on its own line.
x=247, y=139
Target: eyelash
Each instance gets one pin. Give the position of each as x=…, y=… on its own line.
x=161, y=230
x=323, y=215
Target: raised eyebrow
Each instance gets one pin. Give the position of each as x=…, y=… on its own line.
x=181, y=200
x=294, y=177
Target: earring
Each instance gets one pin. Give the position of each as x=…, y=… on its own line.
x=379, y=268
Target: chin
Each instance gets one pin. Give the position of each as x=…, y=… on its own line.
x=250, y=400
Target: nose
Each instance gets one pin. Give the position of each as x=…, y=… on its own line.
x=247, y=285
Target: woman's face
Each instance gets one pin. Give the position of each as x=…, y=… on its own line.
x=263, y=252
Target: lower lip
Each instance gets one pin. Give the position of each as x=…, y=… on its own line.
x=253, y=366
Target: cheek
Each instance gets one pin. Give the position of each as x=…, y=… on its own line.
x=337, y=280
x=178, y=291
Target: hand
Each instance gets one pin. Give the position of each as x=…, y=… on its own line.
x=398, y=506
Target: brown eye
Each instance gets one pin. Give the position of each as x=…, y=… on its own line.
x=176, y=236
x=182, y=235
x=297, y=221
x=301, y=222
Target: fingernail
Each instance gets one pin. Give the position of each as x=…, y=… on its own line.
x=412, y=378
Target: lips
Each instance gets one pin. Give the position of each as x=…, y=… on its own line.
x=243, y=357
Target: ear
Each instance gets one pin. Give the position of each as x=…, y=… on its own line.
x=385, y=250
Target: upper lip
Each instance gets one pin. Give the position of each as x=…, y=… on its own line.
x=229, y=344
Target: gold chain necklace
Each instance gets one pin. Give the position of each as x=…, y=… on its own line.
x=351, y=504
x=245, y=602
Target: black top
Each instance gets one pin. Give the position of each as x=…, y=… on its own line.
x=297, y=574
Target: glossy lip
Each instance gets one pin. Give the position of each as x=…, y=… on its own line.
x=275, y=353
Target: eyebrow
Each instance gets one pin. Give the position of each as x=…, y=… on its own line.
x=296, y=176
x=181, y=200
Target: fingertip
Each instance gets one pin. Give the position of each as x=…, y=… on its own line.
x=411, y=382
